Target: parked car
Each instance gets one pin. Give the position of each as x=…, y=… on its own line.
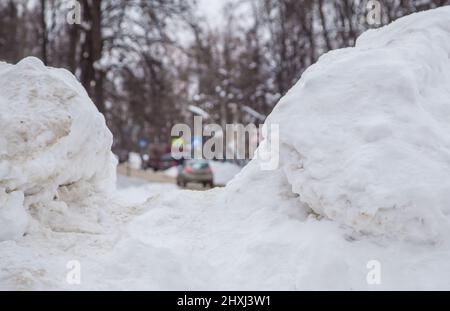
x=196, y=171
x=162, y=163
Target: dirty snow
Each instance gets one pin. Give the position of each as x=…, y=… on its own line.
x=365, y=134
x=52, y=140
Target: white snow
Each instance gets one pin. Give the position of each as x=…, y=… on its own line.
x=52, y=139
x=362, y=178
x=365, y=134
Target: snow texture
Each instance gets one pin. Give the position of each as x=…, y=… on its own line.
x=51, y=137
x=365, y=133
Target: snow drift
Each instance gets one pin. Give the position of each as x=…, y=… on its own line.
x=365, y=133
x=51, y=136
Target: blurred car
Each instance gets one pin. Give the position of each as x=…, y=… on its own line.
x=196, y=171
x=162, y=163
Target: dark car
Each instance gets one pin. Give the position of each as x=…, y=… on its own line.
x=195, y=171
x=162, y=163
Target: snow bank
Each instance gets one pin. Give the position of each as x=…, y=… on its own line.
x=365, y=133
x=51, y=136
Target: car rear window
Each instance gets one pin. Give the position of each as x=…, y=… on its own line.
x=199, y=165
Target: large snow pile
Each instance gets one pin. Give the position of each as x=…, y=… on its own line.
x=51, y=137
x=365, y=133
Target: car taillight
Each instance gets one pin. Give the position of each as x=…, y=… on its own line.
x=188, y=169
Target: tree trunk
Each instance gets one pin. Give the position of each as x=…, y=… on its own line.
x=44, y=32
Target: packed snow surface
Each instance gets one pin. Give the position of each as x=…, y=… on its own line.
x=51, y=136
x=365, y=133
x=362, y=189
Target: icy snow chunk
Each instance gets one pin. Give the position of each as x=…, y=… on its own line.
x=13, y=217
x=51, y=134
x=365, y=133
